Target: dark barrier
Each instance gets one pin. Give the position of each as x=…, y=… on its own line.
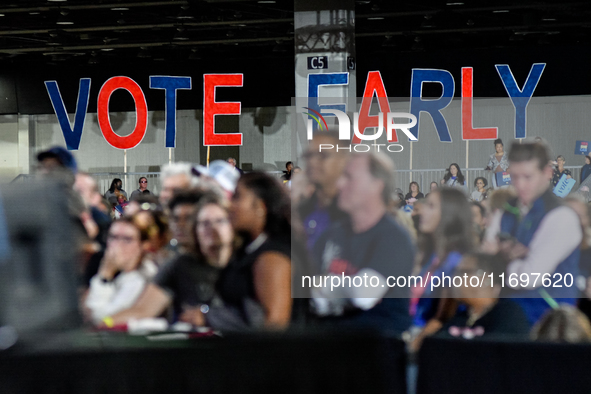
x=457, y=366
x=290, y=363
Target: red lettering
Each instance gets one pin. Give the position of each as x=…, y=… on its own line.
x=211, y=108
x=141, y=111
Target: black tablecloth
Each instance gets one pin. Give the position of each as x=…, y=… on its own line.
x=288, y=363
x=460, y=366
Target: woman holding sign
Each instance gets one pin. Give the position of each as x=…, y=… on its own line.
x=498, y=161
x=559, y=171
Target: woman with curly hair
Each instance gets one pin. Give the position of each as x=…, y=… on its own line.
x=480, y=185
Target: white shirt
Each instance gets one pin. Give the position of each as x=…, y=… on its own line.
x=108, y=298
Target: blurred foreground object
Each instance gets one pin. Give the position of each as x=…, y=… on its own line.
x=38, y=279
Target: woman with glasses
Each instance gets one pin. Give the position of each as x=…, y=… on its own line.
x=123, y=274
x=188, y=282
x=480, y=185
x=559, y=171
x=140, y=191
x=255, y=287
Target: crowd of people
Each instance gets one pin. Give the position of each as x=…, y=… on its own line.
x=230, y=250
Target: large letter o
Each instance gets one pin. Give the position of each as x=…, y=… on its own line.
x=141, y=109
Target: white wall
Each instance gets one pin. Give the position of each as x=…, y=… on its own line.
x=267, y=136
x=9, y=146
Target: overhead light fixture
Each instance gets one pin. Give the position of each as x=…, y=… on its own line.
x=194, y=54
x=107, y=49
x=375, y=18
x=54, y=42
x=2, y=15
x=120, y=9
x=278, y=48
x=266, y=2
x=93, y=58
x=428, y=22
x=64, y=19
x=32, y=13
x=144, y=53
x=180, y=35
x=185, y=13
x=389, y=42
x=418, y=44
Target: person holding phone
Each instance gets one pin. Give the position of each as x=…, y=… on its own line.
x=537, y=234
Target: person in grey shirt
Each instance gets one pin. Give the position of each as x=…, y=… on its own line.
x=454, y=178
x=143, y=189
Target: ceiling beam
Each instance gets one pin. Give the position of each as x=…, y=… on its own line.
x=72, y=7
x=147, y=26
x=68, y=48
x=553, y=26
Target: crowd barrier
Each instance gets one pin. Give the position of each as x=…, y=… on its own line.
x=402, y=178
x=424, y=177
x=131, y=179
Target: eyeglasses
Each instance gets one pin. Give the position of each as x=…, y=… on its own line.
x=212, y=223
x=123, y=238
x=143, y=181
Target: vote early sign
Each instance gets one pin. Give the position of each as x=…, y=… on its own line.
x=374, y=86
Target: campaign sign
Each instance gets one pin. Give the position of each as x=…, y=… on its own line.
x=582, y=148
x=564, y=186
x=503, y=178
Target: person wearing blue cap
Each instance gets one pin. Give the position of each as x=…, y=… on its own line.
x=59, y=165
x=56, y=157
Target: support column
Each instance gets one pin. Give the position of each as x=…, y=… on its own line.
x=324, y=44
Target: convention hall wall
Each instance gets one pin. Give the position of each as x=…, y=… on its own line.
x=558, y=111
